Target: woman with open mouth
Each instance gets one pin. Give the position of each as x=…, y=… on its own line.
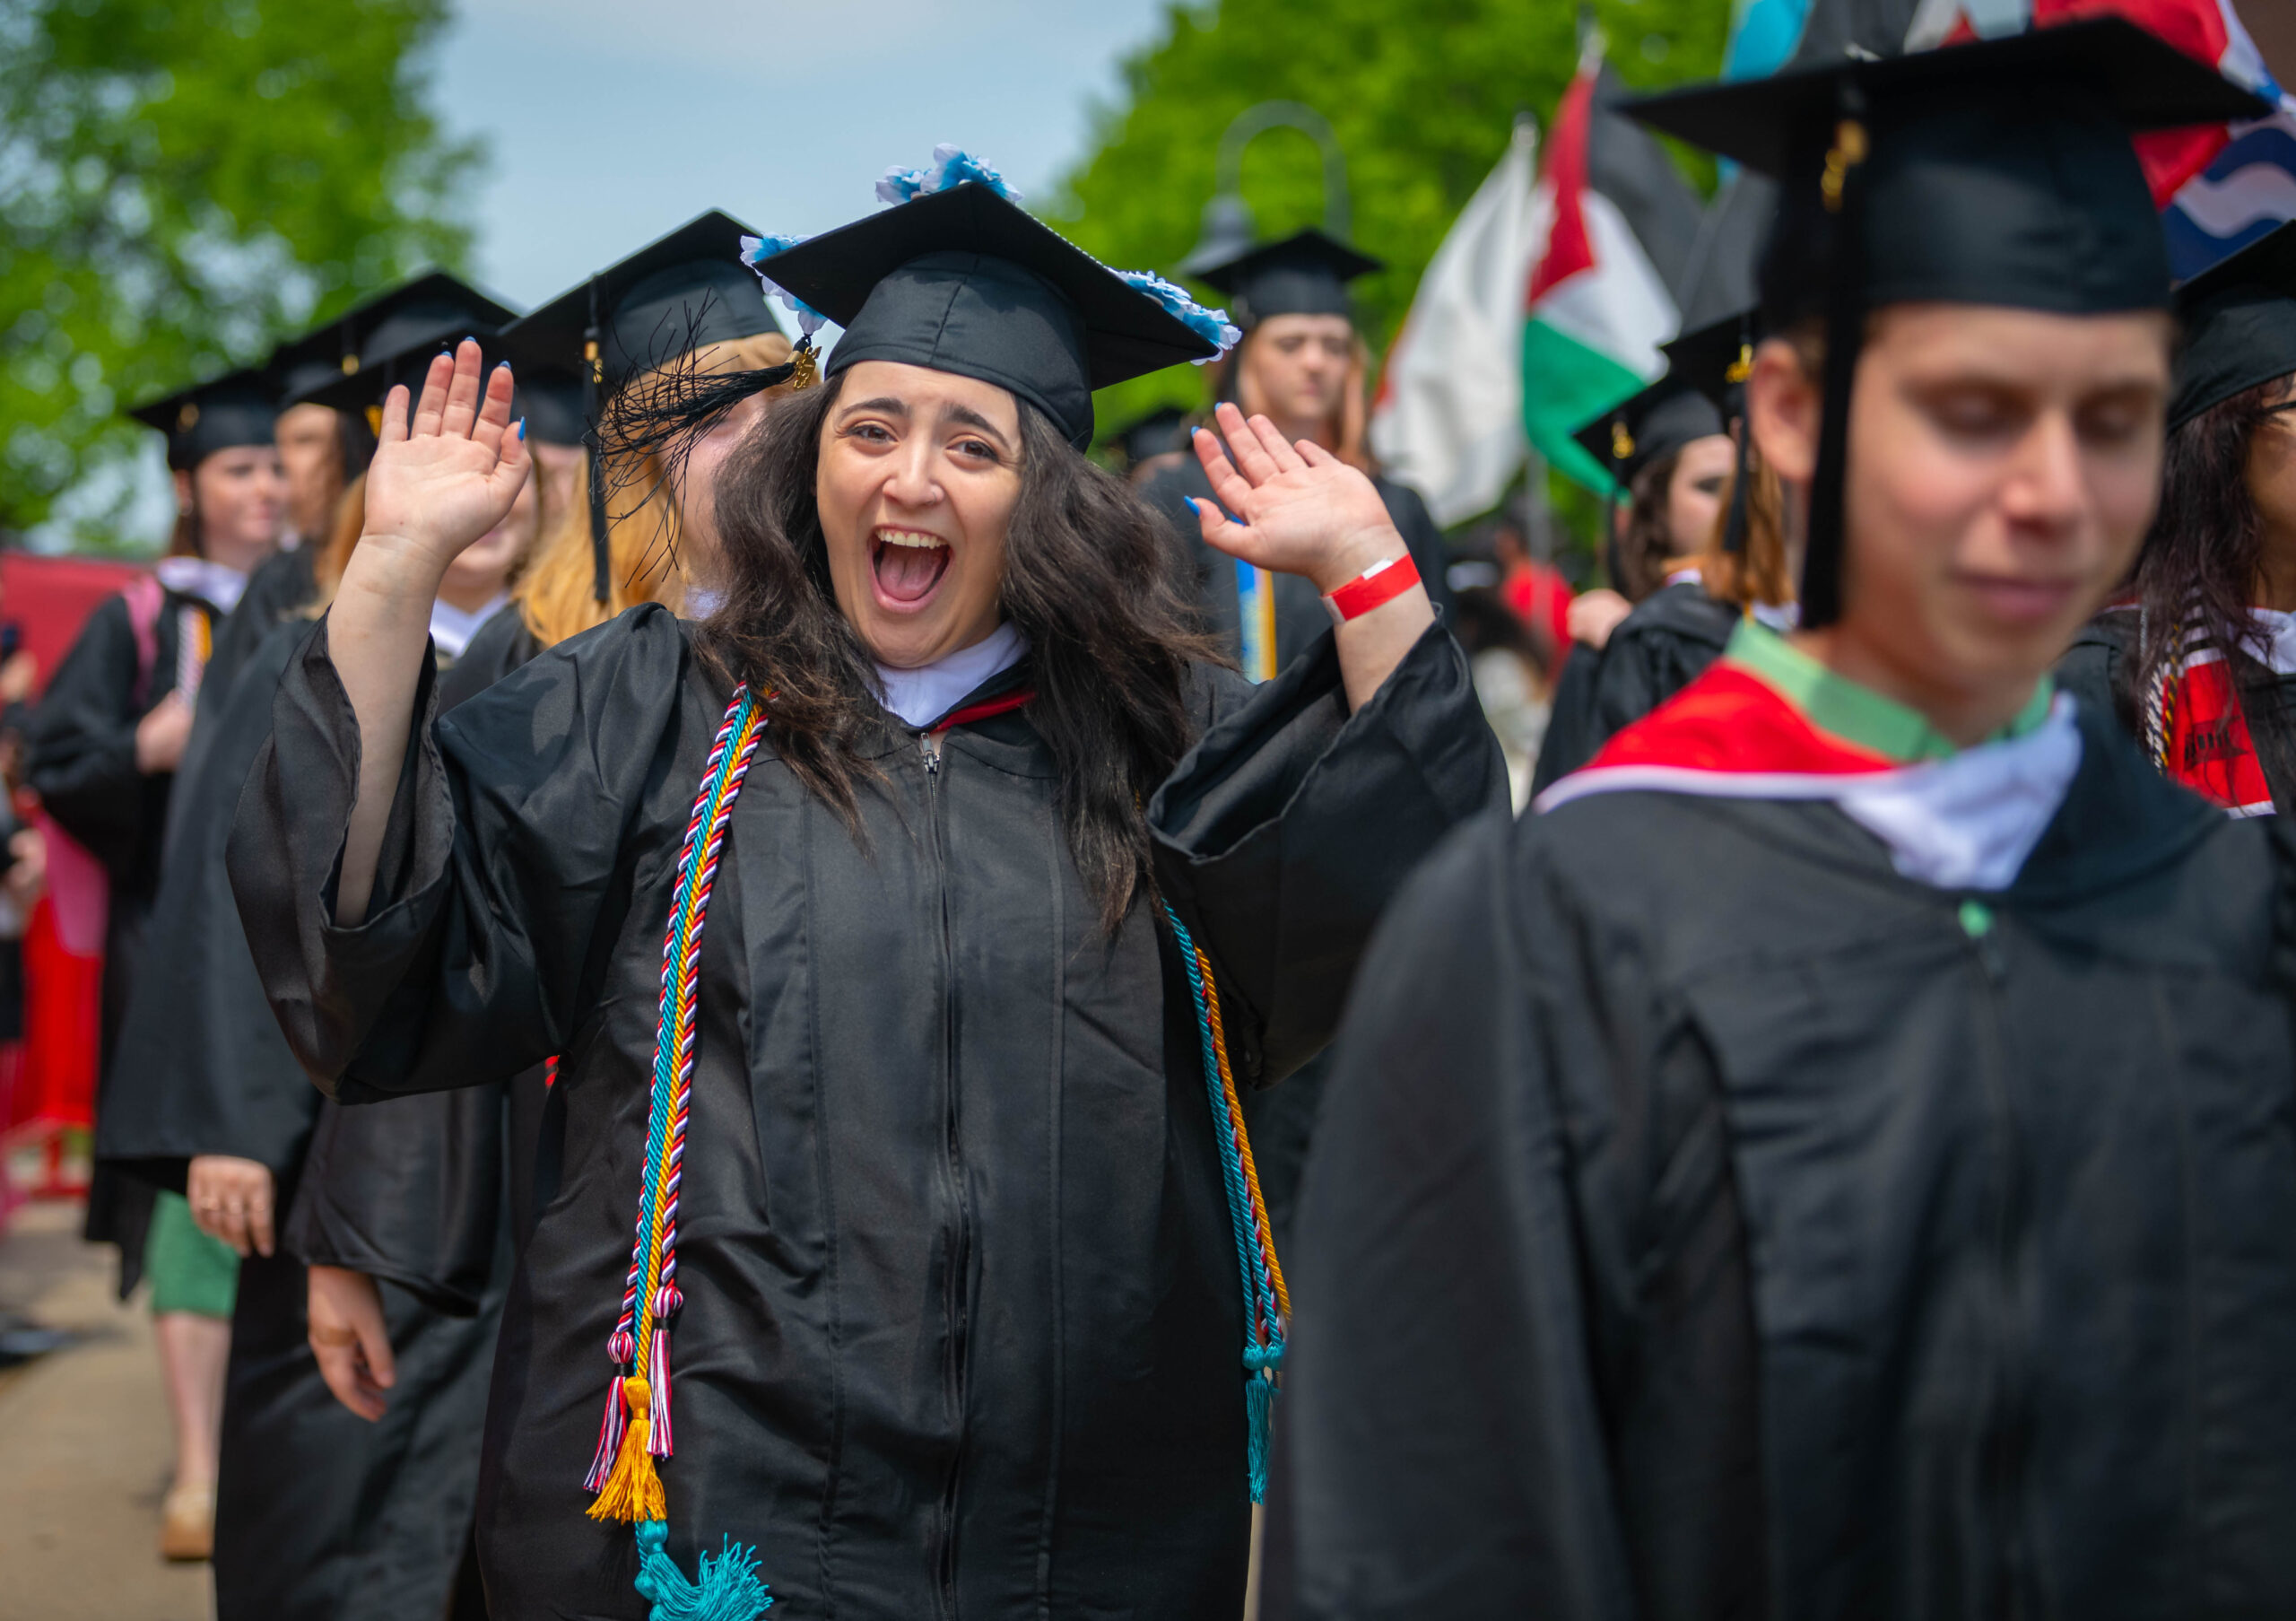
x=899, y=1251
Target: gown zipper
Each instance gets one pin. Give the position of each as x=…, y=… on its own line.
x=957, y=1302
x=2003, y=1464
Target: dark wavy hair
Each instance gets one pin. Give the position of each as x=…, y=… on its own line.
x=1090, y=577
x=2197, y=573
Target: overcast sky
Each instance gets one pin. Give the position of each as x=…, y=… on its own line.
x=610, y=121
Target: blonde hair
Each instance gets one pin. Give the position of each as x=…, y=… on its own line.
x=558, y=596
x=333, y=555
x=335, y=552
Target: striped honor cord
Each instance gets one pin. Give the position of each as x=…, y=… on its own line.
x=636, y=1428
x=194, y=643
x=1267, y=1304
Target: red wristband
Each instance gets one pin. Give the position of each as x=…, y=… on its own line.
x=1381, y=583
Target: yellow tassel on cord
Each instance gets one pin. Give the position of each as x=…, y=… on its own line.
x=633, y=1491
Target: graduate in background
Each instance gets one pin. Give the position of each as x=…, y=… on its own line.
x=434, y=1195
x=1302, y=364
x=1691, y=425
x=1837, y=1156
x=102, y=753
x=2199, y=662
x=317, y=1514
x=929, y=1144
x=430, y=308
x=1668, y=450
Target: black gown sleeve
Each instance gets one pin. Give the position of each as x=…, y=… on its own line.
x=81, y=754
x=1440, y=1308
x=1522, y=1365
x=502, y=861
x=1286, y=830
x=411, y=1191
x=414, y=1191
x=1570, y=729
x=2094, y=671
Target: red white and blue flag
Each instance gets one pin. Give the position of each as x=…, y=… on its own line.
x=2219, y=188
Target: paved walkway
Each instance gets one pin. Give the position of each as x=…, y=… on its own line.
x=83, y=1443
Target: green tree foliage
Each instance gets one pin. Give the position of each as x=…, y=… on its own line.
x=181, y=183
x=1423, y=94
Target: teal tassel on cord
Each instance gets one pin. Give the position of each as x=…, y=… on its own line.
x=728, y=1590
x=1260, y=1412
x=1261, y=1363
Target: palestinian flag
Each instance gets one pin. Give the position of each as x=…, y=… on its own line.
x=1620, y=223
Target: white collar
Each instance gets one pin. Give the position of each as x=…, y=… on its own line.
x=451, y=628
x=213, y=584
x=1965, y=822
x=2278, y=629
x=1692, y=576
x=923, y=695
x=1969, y=819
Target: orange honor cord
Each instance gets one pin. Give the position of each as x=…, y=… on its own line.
x=1267, y=1304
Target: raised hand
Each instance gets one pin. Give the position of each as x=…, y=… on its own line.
x=445, y=478
x=1304, y=510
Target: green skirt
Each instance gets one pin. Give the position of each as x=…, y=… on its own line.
x=189, y=1271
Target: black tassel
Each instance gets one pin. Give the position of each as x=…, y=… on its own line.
x=1844, y=189
x=593, y=382
x=1734, y=529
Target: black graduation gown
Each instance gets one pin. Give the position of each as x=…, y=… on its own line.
x=318, y=1512
x=1569, y=741
x=1704, y=1223
x=1660, y=648
x=79, y=758
x=278, y=589
x=963, y=1324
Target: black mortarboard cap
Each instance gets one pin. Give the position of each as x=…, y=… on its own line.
x=678, y=294
x=1653, y=423
x=963, y=281
x=2239, y=325
x=1303, y=274
x=1714, y=359
x=1161, y=432
x=222, y=414
x=380, y=369
x=1995, y=173
x=301, y=365
x=548, y=367
x=415, y=318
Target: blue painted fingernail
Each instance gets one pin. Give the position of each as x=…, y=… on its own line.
x=501, y=365
x=522, y=427
x=1192, y=506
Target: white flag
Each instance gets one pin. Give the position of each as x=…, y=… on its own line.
x=1449, y=420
